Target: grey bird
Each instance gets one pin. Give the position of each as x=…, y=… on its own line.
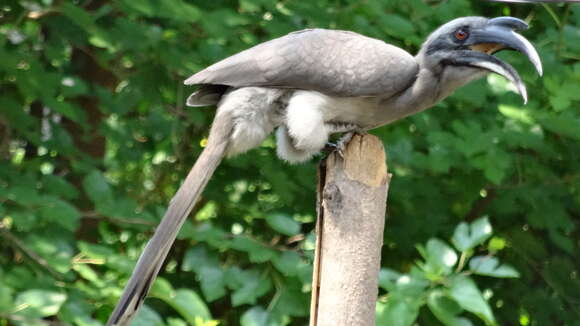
x=312, y=83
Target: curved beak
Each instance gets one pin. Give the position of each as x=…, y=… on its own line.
x=499, y=34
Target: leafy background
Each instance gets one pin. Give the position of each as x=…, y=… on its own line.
x=95, y=139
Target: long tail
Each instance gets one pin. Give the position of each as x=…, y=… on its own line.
x=180, y=206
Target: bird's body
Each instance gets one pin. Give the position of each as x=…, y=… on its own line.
x=306, y=118
x=307, y=87
x=313, y=83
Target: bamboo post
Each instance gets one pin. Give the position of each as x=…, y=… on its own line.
x=352, y=196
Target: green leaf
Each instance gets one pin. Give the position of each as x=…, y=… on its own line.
x=97, y=188
x=399, y=310
x=565, y=125
x=496, y=244
x=258, y=252
x=495, y=164
x=19, y=120
x=76, y=311
x=62, y=213
x=195, y=258
x=490, y=266
x=283, y=224
x=291, y=300
x=59, y=186
x=212, y=282
x=179, y=10
x=174, y=9
x=212, y=235
x=397, y=25
x=86, y=272
x=24, y=195
x=67, y=109
x=176, y=322
x=561, y=240
x=256, y=316
x=189, y=305
x=446, y=309
x=123, y=207
x=412, y=284
x=25, y=220
x=95, y=251
x=288, y=263
x=6, y=303
x=467, y=236
x=253, y=286
x=440, y=257
x=516, y=113
x=40, y=303
x=560, y=103
x=208, y=270
x=73, y=86
x=56, y=250
x=79, y=16
x=500, y=85
x=387, y=278
x=558, y=274
x=162, y=289
x=464, y=291
x=147, y=317
x=88, y=321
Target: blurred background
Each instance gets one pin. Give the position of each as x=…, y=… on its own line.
x=95, y=140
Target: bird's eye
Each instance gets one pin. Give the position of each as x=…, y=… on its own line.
x=461, y=34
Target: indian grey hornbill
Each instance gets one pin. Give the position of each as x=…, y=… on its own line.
x=312, y=83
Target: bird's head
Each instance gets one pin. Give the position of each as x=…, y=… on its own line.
x=463, y=49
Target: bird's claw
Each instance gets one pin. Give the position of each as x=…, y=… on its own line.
x=340, y=145
x=329, y=147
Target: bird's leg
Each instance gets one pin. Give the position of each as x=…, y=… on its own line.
x=349, y=128
x=339, y=145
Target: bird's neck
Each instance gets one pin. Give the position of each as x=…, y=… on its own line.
x=433, y=83
x=423, y=93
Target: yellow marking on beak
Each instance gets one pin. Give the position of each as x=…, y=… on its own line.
x=489, y=48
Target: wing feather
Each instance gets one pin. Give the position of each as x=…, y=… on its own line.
x=334, y=62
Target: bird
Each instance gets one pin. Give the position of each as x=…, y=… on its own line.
x=310, y=84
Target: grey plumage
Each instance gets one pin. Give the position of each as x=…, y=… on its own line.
x=313, y=83
x=333, y=62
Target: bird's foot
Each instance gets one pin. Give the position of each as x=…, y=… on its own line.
x=340, y=145
x=329, y=147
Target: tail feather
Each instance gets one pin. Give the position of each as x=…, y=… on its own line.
x=179, y=208
x=206, y=95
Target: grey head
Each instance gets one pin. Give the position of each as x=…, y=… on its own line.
x=462, y=50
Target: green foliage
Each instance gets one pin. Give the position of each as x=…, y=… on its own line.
x=40, y=303
x=443, y=282
x=95, y=139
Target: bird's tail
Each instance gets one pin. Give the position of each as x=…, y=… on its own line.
x=180, y=206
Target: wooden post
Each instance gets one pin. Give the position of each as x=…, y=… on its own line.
x=352, y=196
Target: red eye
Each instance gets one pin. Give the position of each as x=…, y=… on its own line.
x=461, y=35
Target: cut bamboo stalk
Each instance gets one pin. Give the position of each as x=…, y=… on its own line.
x=352, y=196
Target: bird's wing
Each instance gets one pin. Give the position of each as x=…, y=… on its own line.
x=334, y=62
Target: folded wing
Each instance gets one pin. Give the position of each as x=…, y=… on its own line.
x=338, y=63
